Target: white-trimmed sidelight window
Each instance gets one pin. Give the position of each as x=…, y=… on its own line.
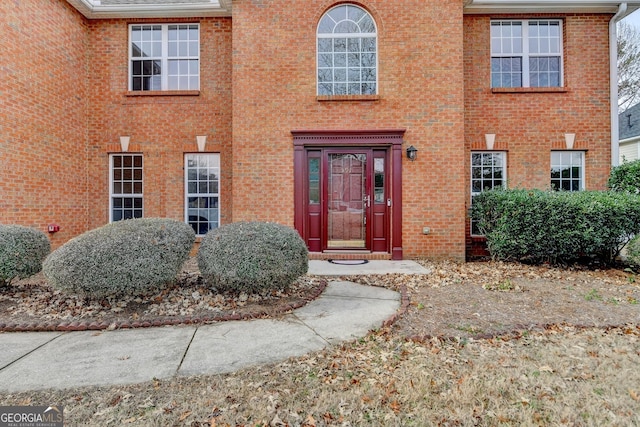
x=526, y=53
x=164, y=57
x=567, y=170
x=126, y=186
x=488, y=172
x=347, y=52
x=202, y=191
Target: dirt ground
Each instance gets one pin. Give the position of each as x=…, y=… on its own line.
x=483, y=343
x=485, y=299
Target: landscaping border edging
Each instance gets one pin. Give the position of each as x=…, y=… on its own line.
x=92, y=325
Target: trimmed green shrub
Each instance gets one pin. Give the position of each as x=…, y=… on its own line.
x=252, y=257
x=633, y=251
x=558, y=227
x=22, y=250
x=131, y=257
x=625, y=178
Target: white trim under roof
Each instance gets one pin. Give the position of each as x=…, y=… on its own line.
x=95, y=9
x=546, y=6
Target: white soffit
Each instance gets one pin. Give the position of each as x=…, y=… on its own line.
x=101, y=9
x=547, y=6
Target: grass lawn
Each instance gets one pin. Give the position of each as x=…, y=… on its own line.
x=575, y=363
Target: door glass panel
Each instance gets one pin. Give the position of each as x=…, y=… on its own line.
x=346, y=200
x=314, y=180
x=378, y=185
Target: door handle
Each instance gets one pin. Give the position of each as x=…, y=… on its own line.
x=367, y=201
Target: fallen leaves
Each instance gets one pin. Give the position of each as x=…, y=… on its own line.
x=548, y=371
x=33, y=299
x=184, y=416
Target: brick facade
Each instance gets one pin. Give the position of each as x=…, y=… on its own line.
x=162, y=127
x=528, y=124
x=65, y=104
x=274, y=90
x=44, y=110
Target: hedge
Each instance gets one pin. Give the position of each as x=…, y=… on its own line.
x=625, y=178
x=558, y=227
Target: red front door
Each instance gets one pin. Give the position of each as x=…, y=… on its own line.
x=347, y=204
x=348, y=200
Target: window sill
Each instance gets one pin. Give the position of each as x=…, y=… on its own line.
x=135, y=93
x=323, y=98
x=529, y=90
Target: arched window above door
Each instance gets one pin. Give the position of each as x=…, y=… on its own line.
x=347, y=57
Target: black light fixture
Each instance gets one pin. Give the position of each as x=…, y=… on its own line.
x=412, y=153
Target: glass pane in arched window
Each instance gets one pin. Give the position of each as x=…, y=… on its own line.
x=347, y=58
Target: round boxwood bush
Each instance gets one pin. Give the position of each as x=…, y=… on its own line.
x=252, y=257
x=22, y=250
x=131, y=257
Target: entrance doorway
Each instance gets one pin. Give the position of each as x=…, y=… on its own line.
x=348, y=200
x=348, y=194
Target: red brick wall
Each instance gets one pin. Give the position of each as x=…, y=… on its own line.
x=43, y=116
x=529, y=125
x=163, y=128
x=63, y=82
x=420, y=88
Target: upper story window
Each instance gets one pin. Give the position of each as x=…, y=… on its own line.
x=567, y=170
x=526, y=53
x=347, y=52
x=164, y=57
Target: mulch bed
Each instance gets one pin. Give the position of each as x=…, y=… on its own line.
x=32, y=305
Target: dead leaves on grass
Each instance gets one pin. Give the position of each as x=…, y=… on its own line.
x=543, y=377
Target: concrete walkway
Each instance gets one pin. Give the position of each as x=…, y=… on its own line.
x=344, y=311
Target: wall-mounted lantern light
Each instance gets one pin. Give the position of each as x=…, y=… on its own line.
x=412, y=153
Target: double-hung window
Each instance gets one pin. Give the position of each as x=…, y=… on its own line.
x=164, y=57
x=567, y=170
x=202, y=191
x=526, y=53
x=488, y=172
x=347, y=52
x=125, y=189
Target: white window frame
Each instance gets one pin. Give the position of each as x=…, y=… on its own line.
x=164, y=59
x=503, y=155
x=349, y=36
x=526, y=53
x=573, y=155
x=193, y=207
x=122, y=180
